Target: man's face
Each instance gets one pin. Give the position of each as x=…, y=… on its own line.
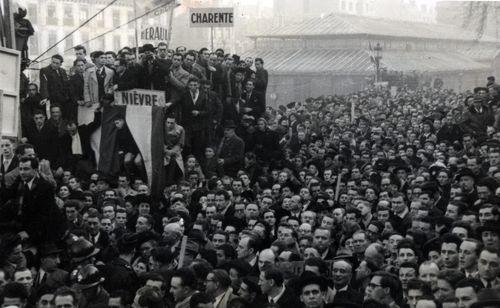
x=80, y=54
x=265, y=284
x=444, y=290
x=374, y=290
x=465, y=297
x=45, y=301
x=466, y=183
x=488, y=265
x=94, y=225
x=210, y=285
x=101, y=60
x=311, y=296
x=449, y=254
x=429, y=273
x=26, y=171
x=360, y=242
x=110, y=59
x=242, y=249
x=176, y=61
x=467, y=257
x=193, y=86
x=398, y=205
x=452, y=211
x=162, y=51
x=189, y=60
x=321, y=240
x=32, y=90
x=406, y=255
x=413, y=296
x=405, y=275
x=39, y=119
x=249, y=86
x=56, y=63
x=218, y=240
x=486, y=214
x=108, y=212
x=177, y=289
x=25, y=278
x=6, y=148
x=13, y=301
x=121, y=218
x=341, y=273
x=490, y=239
x=71, y=213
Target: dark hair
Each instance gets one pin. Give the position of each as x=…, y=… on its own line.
x=124, y=296
x=187, y=277
x=97, y=54
x=222, y=277
x=452, y=276
x=111, y=53
x=150, y=298
x=475, y=284
x=392, y=282
x=451, y=238
x=58, y=57
x=200, y=298
x=274, y=273
x=193, y=79
x=32, y=160
x=78, y=60
x=417, y=284
x=259, y=60
x=80, y=47
x=319, y=263
x=67, y=291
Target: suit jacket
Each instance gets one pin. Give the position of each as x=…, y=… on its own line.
x=91, y=86
x=9, y=175
x=55, y=279
x=76, y=84
x=36, y=211
x=232, y=150
x=44, y=141
x=288, y=299
x=226, y=298
x=349, y=295
x=126, y=81
x=54, y=85
x=261, y=78
x=85, y=131
x=190, y=122
x=154, y=76
x=256, y=101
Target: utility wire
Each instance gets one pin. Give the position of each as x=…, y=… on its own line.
x=109, y=31
x=71, y=33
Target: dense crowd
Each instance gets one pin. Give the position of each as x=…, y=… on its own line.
x=373, y=199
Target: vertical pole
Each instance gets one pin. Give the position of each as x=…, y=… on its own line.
x=212, y=38
x=136, y=32
x=8, y=25
x=170, y=22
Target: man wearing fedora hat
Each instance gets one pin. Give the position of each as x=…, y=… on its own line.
x=490, y=234
x=49, y=273
x=89, y=281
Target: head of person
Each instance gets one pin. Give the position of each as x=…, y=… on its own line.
x=56, y=61
x=416, y=289
x=384, y=288
x=270, y=280
x=182, y=284
x=466, y=292
x=65, y=297
x=217, y=282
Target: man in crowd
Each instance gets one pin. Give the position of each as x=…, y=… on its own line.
x=265, y=200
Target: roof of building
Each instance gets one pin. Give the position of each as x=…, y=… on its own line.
x=358, y=61
x=345, y=25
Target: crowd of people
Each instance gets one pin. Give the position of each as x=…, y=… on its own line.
x=372, y=199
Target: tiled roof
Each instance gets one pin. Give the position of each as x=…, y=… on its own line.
x=341, y=24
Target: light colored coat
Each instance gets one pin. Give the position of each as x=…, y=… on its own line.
x=91, y=87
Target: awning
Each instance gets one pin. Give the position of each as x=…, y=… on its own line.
x=357, y=61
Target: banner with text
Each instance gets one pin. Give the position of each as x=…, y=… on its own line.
x=211, y=17
x=139, y=97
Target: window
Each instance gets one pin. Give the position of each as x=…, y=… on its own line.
x=68, y=19
x=51, y=15
x=52, y=38
x=33, y=13
x=116, y=18
x=116, y=42
x=84, y=13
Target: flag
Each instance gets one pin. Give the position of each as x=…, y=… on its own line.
x=144, y=119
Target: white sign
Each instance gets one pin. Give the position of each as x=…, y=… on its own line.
x=10, y=72
x=139, y=97
x=211, y=17
x=154, y=34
